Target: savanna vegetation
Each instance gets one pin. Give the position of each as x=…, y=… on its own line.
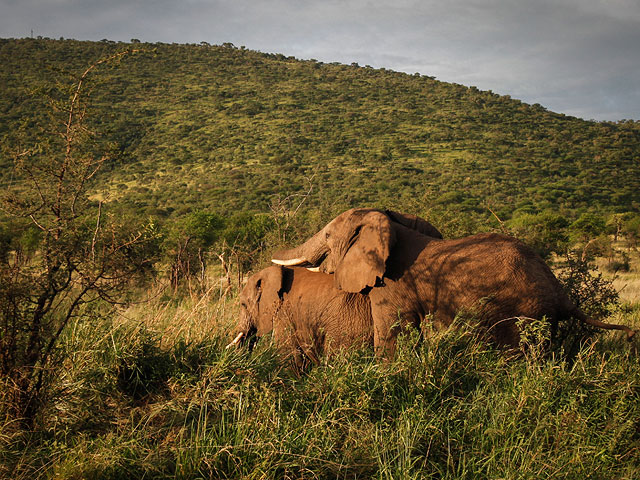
x=141, y=182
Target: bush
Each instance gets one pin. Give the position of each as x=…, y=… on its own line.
x=544, y=232
x=592, y=293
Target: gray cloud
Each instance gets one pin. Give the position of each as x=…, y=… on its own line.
x=578, y=57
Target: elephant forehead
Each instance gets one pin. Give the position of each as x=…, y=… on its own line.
x=350, y=216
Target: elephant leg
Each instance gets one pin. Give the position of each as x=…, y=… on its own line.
x=388, y=321
x=384, y=340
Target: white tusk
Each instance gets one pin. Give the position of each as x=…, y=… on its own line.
x=289, y=263
x=235, y=341
x=313, y=269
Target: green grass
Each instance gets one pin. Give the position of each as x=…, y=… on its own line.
x=152, y=393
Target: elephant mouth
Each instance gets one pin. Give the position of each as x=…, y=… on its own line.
x=314, y=266
x=249, y=338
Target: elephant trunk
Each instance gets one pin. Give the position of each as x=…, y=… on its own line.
x=310, y=253
x=244, y=331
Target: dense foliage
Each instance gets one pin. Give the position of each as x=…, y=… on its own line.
x=227, y=129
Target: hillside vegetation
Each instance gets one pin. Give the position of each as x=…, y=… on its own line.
x=224, y=129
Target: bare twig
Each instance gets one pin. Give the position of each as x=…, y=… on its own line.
x=96, y=231
x=283, y=212
x=583, y=257
x=504, y=229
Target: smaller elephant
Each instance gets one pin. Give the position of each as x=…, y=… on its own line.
x=307, y=314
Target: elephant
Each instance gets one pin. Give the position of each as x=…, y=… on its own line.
x=410, y=276
x=307, y=314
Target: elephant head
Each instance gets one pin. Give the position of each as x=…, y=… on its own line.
x=259, y=303
x=306, y=313
x=354, y=246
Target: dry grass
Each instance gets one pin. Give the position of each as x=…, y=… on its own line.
x=200, y=313
x=627, y=283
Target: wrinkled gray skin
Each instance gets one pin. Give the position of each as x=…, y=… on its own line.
x=306, y=313
x=411, y=275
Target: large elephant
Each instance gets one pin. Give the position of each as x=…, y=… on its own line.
x=410, y=276
x=307, y=314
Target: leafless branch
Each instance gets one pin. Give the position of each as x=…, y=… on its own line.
x=282, y=209
x=504, y=229
x=70, y=270
x=41, y=227
x=96, y=231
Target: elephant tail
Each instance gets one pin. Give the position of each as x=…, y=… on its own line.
x=579, y=314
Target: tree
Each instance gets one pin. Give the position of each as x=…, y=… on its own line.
x=631, y=230
x=587, y=226
x=188, y=242
x=245, y=237
x=80, y=255
x=616, y=222
x=544, y=232
x=586, y=230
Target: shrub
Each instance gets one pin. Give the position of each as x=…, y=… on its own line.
x=592, y=293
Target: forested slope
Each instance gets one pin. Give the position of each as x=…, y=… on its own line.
x=220, y=128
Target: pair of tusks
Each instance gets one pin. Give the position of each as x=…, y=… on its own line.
x=294, y=262
x=235, y=341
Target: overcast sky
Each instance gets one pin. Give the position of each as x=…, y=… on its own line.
x=579, y=57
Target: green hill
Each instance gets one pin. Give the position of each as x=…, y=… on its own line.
x=221, y=128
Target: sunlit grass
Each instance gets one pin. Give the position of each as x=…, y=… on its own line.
x=152, y=392
x=627, y=283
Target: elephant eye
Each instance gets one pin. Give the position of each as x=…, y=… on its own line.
x=327, y=235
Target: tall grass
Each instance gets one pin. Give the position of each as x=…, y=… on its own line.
x=152, y=393
x=626, y=280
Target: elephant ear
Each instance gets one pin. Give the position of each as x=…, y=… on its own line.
x=268, y=288
x=414, y=222
x=368, y=243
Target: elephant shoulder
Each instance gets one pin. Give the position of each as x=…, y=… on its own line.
x=501, y=240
